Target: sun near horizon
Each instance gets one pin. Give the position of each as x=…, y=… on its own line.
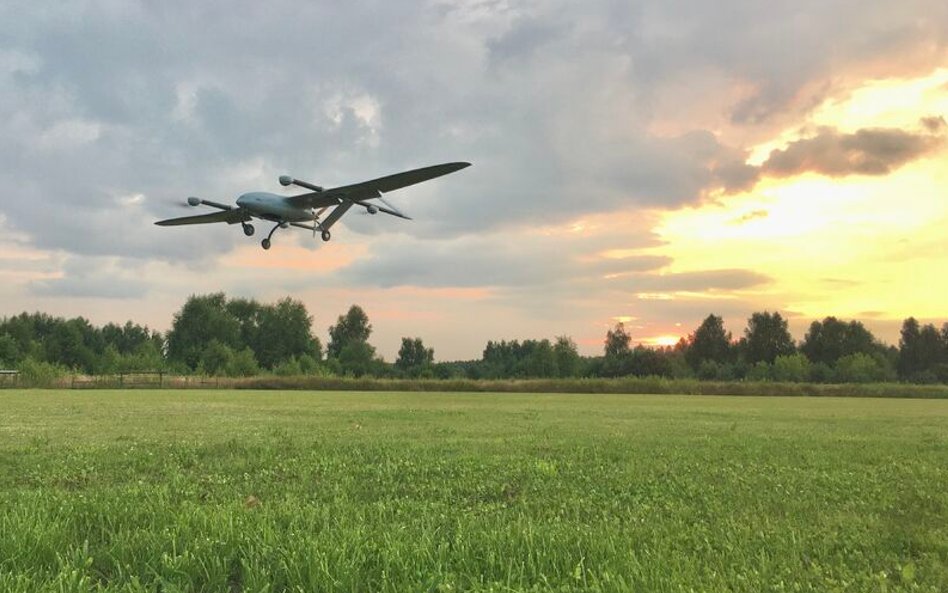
x=857, y=246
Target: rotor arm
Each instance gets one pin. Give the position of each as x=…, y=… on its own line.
x=194, y=201
x=286, y=180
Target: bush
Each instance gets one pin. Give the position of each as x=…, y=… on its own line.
x=708, y=370
x=40, y=374
x=794, y=368
x=243, y=364
x=820, y=372
x=860, y=368
x=759, y=371
x=217, y=358
x=309, y=365
x=288, y=368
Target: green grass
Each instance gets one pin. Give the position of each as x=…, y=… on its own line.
x=224, y=491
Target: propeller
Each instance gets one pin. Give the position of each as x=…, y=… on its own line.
x=188, y=203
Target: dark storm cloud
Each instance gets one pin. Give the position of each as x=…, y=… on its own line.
x=836, y=154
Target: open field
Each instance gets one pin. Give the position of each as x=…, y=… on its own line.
x=297, y=491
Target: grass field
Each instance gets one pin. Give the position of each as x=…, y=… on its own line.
x=225, y=491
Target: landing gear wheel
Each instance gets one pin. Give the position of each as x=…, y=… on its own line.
x=248, y=229
x=326, y=236
x=266, y=242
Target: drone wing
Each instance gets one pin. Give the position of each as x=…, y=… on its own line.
x=368, y=190
x=229, y=216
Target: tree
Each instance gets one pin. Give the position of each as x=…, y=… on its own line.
x=9, y=351
x=618, y=342
x=922, y=351
x=567, y=357
x=710, y=342
x=247, y=313
x=73, y=343
x=500, y=358
x=829, y=340
x=537, y=359
x=128, y=338
x=941, y=369
x=351, y=328
x=931, y=352
x=217, y=358
x=284, y=332
x=650, y=362
x=202, y=320
x=766, y=338
x=909, y=358
x=413, y=356
x=357, y=358
x=617, y=361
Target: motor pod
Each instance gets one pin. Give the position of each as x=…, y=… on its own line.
x=192, y=201
x=286, y=180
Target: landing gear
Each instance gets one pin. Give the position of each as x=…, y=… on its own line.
x=326, y=236
x=266, y=242
x=248, y=229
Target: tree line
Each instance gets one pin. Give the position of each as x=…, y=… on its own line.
x=216, y=335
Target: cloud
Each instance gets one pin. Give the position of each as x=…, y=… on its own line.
x=934, y=124
x=751, y=216
x=93, y=278
x=698, y=281
x=477, y=261
x=864, y=152
x=553, y=102
x=571, y=112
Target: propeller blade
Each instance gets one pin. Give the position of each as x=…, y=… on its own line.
x=179, y=203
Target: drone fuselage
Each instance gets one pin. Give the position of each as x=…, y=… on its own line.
x=273, y=207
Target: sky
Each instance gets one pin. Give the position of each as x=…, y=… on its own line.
x=646, y=162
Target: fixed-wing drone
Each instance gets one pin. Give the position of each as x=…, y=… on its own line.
x=304, y=210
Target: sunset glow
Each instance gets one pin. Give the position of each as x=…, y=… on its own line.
x=640, y=164
x=663, y=341
x=850, y=246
